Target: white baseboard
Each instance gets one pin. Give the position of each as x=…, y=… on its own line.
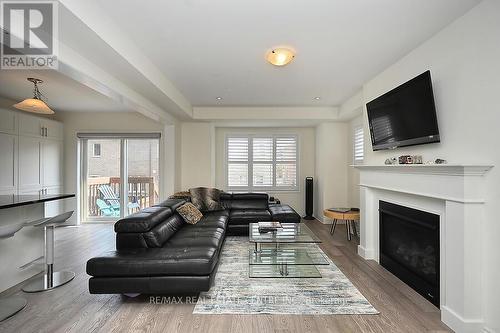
x=459, y=324
x=367, y=254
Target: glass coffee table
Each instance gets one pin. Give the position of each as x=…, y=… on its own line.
x=289, y=252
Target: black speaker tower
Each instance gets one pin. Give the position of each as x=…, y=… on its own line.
x=309, y=198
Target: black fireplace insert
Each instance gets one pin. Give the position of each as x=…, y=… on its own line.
x=409, y=247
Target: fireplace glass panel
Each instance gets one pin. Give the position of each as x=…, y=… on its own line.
x=409, y=247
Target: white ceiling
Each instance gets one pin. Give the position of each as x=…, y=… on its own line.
x=61, y=92
x=217, y=47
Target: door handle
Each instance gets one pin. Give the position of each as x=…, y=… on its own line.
x=46, y=131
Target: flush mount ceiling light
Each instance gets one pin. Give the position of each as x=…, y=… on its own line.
x=317, y=98
x=280, y=56
x=218, y=98
x=35, y=104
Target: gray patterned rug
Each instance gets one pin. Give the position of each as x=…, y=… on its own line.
x=235, y=293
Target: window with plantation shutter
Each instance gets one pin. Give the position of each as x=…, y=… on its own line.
x=286, y=162
x=237, y=162
x=263, y=162
x=359, y=152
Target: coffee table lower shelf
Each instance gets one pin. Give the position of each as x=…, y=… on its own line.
x=285, y=263
x=283, y=271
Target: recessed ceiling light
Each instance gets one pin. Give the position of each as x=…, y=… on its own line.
x=317, y=98
x=218, y=98
x=280, y=56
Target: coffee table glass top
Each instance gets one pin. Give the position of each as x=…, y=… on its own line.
x=290, y=233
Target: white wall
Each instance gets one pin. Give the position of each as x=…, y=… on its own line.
x=330, y=186
x=464, y=60
x=197, y=155
x=306, y=137
x=75, y=122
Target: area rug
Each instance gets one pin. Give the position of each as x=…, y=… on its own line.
x=234, y=292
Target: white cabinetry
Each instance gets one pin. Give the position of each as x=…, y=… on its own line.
x=30, y=164
x=31, y=150
x=8, y=122
x=8, y=163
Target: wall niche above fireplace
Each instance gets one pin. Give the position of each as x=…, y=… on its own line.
x=409, y=247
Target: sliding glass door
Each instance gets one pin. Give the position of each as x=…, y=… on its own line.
x=143, y=166
x=120, y=175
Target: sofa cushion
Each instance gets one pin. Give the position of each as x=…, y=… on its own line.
x=213, y=219
x=284, y=214
x=197, y=237
x=249, y=201
x=157, y=236
x=225, y=200
x=144, y=220
x=189, y=213
x=154, y=262
x=206, y=199
x=246, y=216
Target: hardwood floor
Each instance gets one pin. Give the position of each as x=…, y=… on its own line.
x=72, y=309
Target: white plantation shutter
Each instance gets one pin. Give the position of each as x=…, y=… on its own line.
x=262, y=169
x=286, y=162
x=237, y=162
x=359, y=152
x=262, y=162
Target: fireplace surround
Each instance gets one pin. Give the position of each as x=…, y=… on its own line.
x=456, y=194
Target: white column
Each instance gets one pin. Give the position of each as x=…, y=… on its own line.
x=461, y=269
x=367, y=248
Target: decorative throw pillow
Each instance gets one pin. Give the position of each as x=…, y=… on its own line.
x=181, y=195
x=189, y=213
x=206, y=199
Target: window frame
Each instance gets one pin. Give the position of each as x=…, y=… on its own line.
x=354, y=130
x=250, y=162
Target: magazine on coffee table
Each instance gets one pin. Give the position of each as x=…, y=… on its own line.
x=269, y=226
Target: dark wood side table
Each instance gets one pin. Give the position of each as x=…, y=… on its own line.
x=349, y=217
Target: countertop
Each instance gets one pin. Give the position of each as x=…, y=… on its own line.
x=12, y=200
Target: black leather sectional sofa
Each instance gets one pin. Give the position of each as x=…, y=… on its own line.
x=158, y=253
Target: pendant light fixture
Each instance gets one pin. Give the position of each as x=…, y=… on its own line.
x=35, y=104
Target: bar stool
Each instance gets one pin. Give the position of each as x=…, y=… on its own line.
x=11, y=305
x=349, y=217
x=50, y=279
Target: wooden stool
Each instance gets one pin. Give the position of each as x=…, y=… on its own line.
x=349, y=218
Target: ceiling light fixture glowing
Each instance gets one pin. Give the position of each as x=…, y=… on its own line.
x=218, y=98
x=35, y=104
x=280, y=56
x=317, y=98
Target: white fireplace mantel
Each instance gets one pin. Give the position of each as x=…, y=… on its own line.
x=431, y=169
x=457, y=194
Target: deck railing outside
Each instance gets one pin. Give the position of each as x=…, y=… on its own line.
x=141, y=190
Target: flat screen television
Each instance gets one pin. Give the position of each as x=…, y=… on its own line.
x=404, y=116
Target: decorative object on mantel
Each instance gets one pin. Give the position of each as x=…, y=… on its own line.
x=409, y=159
x=391, y=161
x=440, y=161
x=35, y=104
